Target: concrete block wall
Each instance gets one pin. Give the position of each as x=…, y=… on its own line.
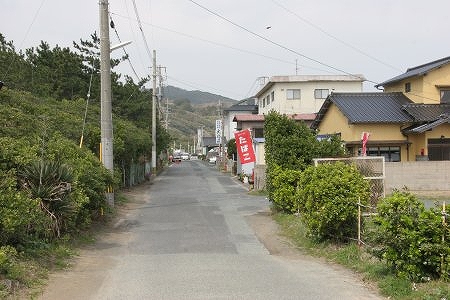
x=428, y=177
x=260, y=177
x=421, y=176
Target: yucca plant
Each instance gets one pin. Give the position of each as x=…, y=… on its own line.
x=50, y=182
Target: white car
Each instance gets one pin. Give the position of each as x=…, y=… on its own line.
x=212, y=159
x=184, y=156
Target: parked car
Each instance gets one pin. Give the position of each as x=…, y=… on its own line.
x=212, y=159
x=176, y=158
x=184, y=156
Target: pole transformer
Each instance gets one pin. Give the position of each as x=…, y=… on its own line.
x=106, y=146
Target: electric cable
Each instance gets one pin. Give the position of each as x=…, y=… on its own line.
x=87, y=104
x=23, y=40
x=275, y=43
x=227, y=46
x=142, y=31
x=334, y=37
x=123, y=49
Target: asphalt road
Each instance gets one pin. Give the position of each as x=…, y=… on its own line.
x=186, y=236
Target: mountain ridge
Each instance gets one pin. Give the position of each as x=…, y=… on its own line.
x=196, y=96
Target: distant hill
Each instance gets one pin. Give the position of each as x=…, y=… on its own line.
x=190, y=110
x=196, y=97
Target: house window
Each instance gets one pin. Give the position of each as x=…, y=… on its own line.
x=264, y=102
x=391, y=154
x=272, y=96
x=407, y=87
x=445, y=96
x=321, y=93
x=292, y=94
x=268, y=99
x=258, y=132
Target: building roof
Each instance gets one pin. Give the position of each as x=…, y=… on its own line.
x=367, y=107
x=427, y=126
x=417, y=71
x=426, y=112
x=244, y=105
x=309, y=78
x=260, y=118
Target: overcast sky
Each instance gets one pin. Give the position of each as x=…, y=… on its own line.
x=202, y=51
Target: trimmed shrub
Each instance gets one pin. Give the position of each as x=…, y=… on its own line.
x=328, y=200
x=285, y=185
x=410, y=237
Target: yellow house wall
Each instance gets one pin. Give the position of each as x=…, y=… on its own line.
x=335, y=122
x=419, y=142
x=423, y=88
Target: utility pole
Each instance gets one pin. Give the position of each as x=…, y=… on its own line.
x=106, y=146
x=154, y=99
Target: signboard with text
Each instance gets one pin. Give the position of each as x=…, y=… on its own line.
x=218, y=131
x=244, y=146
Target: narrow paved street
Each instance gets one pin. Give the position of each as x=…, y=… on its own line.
x=186, y=236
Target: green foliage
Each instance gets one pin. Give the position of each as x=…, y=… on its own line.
x=50, y=183
x=231, y=149
x=8, y=256
x=328, y=200
x=286, y=189
x=292, y=145
x=412, y=239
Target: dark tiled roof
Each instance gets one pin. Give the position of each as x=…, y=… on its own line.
x=249, y=108
x=427, y=126
x=416, y=71
x=244, y=105
x=260, y=118
x=426, y=112
x=367, y=107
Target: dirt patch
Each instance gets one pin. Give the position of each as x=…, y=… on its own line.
x=268, y=233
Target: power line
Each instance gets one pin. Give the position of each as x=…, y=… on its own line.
x=142, y=31
x=273, y=42
x=24, y=38
x=226, y=46
x=334, y=37
x=124, y=50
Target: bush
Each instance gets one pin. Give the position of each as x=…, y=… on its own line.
x=328, y=200
x=410, y=237
x=285, y=189
x=8, y=255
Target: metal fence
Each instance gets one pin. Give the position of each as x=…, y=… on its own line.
x=372, y=168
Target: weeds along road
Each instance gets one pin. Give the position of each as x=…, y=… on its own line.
x=191, y=234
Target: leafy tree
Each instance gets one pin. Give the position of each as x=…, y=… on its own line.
x=231, y=149
x=292, y=145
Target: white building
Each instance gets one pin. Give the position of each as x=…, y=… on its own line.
x=243, y=107
x=303, y=94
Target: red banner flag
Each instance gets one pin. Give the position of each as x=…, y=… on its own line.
x=244, y=146
x=364, y=139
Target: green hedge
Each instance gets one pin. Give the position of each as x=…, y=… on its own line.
x=412, y=239
x=328, y=200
